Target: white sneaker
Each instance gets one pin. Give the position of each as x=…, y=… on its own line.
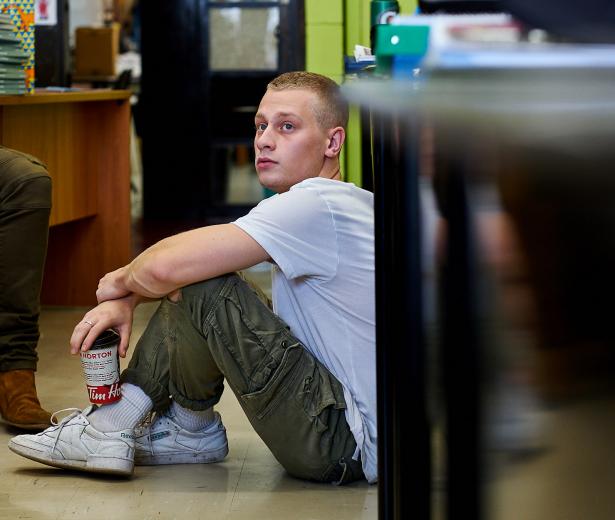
x=166, y=442
x=74, y=443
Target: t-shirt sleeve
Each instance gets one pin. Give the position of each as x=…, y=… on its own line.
x=297, y=230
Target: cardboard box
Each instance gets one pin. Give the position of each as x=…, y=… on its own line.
x=96, y=50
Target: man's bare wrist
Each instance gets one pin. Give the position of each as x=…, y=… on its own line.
x=137, y=299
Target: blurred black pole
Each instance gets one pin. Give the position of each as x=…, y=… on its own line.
x=403, y=431
x=460, y=347
x=367, y=167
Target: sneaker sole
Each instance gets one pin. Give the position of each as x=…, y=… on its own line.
x=120, y=467
x=207, y=457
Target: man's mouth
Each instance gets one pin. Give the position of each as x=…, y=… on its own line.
x=265, y=161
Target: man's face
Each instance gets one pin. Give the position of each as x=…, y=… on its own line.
x=289, y=143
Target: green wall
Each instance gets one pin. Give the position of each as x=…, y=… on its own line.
x=324, y=37
x=332, y=28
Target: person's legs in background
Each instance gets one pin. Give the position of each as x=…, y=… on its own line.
x=25, y=204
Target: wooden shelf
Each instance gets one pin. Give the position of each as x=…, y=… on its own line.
x=43, y=96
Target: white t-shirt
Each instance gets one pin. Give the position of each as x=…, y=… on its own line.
x=320, y=234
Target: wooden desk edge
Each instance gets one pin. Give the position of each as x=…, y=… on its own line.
x=44, y=97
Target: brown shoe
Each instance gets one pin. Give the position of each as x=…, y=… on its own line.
x=19, y=405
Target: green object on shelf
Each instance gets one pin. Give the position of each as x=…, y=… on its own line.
x=382, y=8
x=381, y=11
x=410, y=41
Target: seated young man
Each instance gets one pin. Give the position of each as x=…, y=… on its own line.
x=304, y=374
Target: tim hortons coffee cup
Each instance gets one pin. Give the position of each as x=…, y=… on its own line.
x=101, y=368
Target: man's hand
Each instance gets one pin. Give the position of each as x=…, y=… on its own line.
x=113, y=285
x=112, y=314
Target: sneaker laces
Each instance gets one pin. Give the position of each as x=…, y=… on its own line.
x=74, y=412
x=146, y=425
x=148, y=422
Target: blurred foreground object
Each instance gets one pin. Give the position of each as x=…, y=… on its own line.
x=523, y=139
x=586, y=21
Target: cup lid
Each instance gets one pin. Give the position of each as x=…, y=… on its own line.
x=108, y=337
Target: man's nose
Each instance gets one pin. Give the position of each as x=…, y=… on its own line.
x=265, y=139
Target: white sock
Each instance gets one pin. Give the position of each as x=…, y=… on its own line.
x=192, y=420
x=124, y=414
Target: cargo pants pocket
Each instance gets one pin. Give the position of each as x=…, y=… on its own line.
x=321, y=392
x=281, y=380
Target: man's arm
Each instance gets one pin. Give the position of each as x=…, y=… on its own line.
x=177, y=261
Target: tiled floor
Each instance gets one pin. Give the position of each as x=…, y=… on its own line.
x=572, y=478
x=249, y=484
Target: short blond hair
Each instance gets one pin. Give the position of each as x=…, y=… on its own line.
x=332, y=110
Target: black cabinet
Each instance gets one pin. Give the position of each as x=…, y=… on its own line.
x=51, y=60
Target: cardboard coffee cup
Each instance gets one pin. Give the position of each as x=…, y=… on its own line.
x=101, y=368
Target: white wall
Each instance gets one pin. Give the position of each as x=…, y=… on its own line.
x=84, y=13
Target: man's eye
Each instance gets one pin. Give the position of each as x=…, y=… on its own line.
x=287, y=126
x=261, y=127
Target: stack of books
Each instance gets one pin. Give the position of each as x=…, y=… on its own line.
x=12, y=59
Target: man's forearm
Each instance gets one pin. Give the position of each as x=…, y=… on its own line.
x=145, y=287
x=190, y=257
x=143, y=275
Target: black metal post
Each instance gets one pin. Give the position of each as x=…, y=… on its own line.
x=403, y=429
x=460, y=346
x=367, y=166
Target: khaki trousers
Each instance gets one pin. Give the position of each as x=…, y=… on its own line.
x=220, y=330
x=25, y=203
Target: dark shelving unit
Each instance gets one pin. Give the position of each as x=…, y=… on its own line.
x=194, y=114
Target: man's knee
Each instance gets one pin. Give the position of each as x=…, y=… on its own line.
x=208, y=288
x=24, y=185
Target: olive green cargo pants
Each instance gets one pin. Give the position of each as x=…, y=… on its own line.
x=25, y=203
x=220, y=330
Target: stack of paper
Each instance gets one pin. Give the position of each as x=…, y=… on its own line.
x=12, y=59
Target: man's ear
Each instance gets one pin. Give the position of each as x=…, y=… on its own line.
x=337, y=136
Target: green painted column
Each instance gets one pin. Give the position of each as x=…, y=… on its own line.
x=407, y=6
x=357, y=30
x=332, y=28
x=324, y=43
x=356, y=13
x=324, y=37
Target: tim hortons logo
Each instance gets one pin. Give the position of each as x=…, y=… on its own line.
x=104, y=394
x=96, y=355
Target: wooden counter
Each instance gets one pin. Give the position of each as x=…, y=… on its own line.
x=83, y=137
